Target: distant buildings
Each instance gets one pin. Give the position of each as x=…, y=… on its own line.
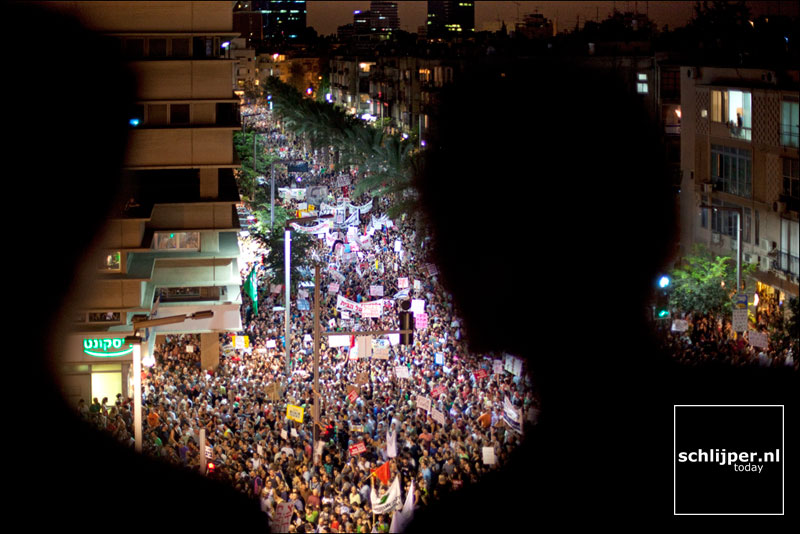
x=274, y=20
x=448, y=19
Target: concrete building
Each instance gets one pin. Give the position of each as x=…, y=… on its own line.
x=171, y=247
x=739, y=149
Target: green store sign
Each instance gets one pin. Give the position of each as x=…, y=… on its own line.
x=106, y=348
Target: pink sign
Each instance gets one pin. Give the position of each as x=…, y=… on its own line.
x=357, y=448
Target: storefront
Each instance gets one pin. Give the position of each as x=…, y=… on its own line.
x=96, y=366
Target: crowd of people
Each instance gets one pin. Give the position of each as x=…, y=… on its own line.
x=378, y=402
x=712, y=341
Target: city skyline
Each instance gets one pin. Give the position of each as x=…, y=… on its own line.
x=326, y=17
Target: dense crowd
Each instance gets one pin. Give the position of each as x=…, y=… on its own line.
x=712, y=341
x=258, y=449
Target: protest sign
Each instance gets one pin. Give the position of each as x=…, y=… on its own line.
x=402, y=283
x=488, y=456
x=401, y=371
x=423, y=403
x=376, y=291
x=357, y=448
x=282, y=518
x=758, y=339
x=437, y=416
x=420, y=321
x=380, y=349
x=295, y=413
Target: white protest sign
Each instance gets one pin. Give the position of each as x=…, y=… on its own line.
x=680, y=325
x=420, y=321
x=758, y=339
x=394, y=339
x=333, y=288
x=402, y=283
x=376, y=291
x=417, y=306
x=437, y=416
x=339, y=341
x=401, y=371
x=488, y=456
x=270, y=343
x=372, y=309
x=380, y=349
x=417, y=285
x=423, y=403
x=497, y=367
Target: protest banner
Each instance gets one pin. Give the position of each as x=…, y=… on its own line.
x=295, y=413
x=357, y=448
x=282, y=518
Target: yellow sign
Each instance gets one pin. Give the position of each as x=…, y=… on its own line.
x=241, y=342
x=295, y=413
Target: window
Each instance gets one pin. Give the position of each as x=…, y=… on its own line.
x=176, y=241
x=725, y=221
x=180, y=47
x=111, y=262
x=158, y=48
x=704, y=212
x=156, y=114
x=641, y=84
x=733, y=108
x=731, y=170
x=791, y=184
x=790, y=128
x=179, y=114
x=104, y=317
x=134, y=48
x=670, y=84
x=788, y=260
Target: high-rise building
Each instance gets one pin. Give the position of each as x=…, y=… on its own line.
x=450, y=19
x=283, y=19
x=248, y=21
x=171, y=246
x=384, y=16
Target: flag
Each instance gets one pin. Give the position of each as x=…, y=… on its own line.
x=512, y=416
x=382, y=473
x=401, y=518
x=389, y=501
x=251, y=287
x=391, y=444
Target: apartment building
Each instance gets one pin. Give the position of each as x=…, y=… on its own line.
x=171, y=247
x=739, y=151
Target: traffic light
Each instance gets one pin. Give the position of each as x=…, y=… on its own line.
x=406, y=323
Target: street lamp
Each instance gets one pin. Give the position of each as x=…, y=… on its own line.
x=287, y=251
x=136, y=341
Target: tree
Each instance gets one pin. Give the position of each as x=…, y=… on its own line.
x=705, y=284
x=247, y=175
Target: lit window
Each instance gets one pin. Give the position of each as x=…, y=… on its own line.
x=176, y=241
x=641, y=84
x=790, y=122
x=111, y=261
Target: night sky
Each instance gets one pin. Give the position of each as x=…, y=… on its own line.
x=325, y=17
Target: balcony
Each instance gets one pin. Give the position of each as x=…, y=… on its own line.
x=786, y=263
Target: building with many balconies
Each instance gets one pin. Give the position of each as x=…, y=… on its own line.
x=739, y=149
x=171, y=247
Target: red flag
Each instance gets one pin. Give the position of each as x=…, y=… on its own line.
x=382, y=473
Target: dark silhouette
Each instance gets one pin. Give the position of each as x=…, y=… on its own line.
x=548, y=229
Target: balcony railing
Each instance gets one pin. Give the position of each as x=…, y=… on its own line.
x=787, y=263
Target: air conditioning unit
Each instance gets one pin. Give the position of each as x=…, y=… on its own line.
x=751, y=258
x=716, y=238
x=764, y=264
x=779, y=207
x=765, y=245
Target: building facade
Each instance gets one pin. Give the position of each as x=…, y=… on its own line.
x=171, y=247
x=739, y=151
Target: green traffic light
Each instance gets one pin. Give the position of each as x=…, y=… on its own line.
x=663, y=313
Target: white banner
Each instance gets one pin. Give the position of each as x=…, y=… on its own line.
x=488, y=455
x=372, y=309
x=283, y=515
x=417, y=306
x=339, y=341
x=321, y=228
x=347, y=304
x=401, y=371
